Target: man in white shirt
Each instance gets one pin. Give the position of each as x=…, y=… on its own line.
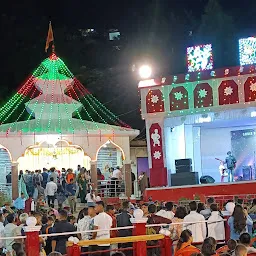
x=198, y=229
x=9, y=232
x=50, y=190
x=207, y=212
x=167, y=213
x=117, y=173
x=216, y=227
x=116, y=177
x=101, y=221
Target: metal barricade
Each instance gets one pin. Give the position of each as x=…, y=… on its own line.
x=6, y=192
x=111, y=188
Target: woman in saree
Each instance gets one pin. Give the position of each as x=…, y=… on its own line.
x=184, y=246
x=22, y=185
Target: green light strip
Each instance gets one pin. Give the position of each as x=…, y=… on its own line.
x=62, y=68
x=42, y=108
x=94, y=110
x=51, y=75
x=20, y=115
x=9, y=105
x=79, y=114
x=94, y=101
x=52, y=68
x=65, y=104
x=18, y=104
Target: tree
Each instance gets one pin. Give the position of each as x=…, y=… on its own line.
x=218, y=28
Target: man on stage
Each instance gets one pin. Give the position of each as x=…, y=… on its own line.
x=231, y=165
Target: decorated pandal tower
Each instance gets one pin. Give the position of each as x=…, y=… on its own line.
x=53, y=121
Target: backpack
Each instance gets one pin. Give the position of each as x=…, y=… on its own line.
x=36, y=179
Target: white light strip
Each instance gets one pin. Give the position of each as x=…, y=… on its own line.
x=146, y=83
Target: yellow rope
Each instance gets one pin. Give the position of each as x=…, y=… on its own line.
x=116, y=240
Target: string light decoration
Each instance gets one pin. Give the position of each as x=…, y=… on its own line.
x=48, y=101
x=247, y=51
x=199, y=58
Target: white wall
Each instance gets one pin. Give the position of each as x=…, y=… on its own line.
x=182, y=141
x=215, y=143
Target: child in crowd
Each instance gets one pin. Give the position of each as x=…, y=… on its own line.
x=72, y=220
x=231, y=246
x=47, y=229
x=40, y=203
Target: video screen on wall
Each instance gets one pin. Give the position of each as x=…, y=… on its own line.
x=243, y=144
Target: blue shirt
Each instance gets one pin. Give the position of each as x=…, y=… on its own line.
x=45, y=176
x=19, y=203
x=70, y=188
x=233, y=233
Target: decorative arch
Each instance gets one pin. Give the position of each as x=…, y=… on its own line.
x=7, y=150
x=114, y=144
x=154, y=101
x=203, y=96
x=178, y=98
x=250, y=89
x=45, y=154
x=228, y=92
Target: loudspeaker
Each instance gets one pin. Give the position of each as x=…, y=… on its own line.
x=187, y=161
x=188, y=178
x=207, y=179
x=247, y=172
x=183, y=168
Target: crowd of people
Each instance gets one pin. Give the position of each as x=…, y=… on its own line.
x=196, y=229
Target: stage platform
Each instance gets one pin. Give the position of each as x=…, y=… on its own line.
x=202, y=190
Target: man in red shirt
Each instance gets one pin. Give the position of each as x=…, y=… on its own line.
x=110, y=210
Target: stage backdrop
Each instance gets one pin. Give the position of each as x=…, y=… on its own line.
x=216, y=142
x=243, y=144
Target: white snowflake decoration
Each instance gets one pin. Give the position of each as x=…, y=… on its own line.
x=202, y=93
x=228, y=90
x=178, y=95
x=226, y=71
x=157, y=155
x=154, y=99
x=241, y=69
x=253, y=87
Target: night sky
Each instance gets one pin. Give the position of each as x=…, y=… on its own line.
x=24, y=27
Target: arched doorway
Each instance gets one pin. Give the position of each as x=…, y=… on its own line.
x=58, y=155
x=5, y=164
x=109, y=155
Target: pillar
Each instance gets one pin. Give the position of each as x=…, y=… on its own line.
x=139, y=222
x=166, y=250
x=32, y=237
x=126, y=170
x=94, y=175
x=15, y=176
x=156, y=152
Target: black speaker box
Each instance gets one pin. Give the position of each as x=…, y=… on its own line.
x=183, y=168
x=187, y=178
x=187, y=162
x=206, y=179
x=247, y=172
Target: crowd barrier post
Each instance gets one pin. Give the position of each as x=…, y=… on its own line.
x=32, y=237
x=73, y=250
x=227, y=229
x=139, y=248
x=167, y=246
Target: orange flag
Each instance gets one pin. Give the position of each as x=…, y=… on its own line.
x=49, y=37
